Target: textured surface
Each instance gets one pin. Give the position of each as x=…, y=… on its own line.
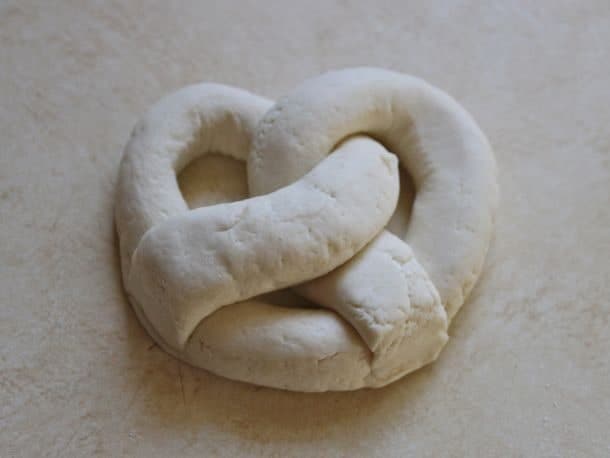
x=527, y=371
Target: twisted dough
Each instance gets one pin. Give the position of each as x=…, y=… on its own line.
x=316, y=222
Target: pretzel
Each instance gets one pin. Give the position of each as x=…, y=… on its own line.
x=315, y=222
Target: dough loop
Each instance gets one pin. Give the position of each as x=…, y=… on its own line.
x=315, y=222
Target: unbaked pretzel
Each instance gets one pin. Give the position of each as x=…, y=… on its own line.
x=314, y=223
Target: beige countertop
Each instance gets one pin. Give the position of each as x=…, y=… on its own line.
x=526, y=372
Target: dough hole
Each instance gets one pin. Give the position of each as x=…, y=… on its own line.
x=213, y=179
x=399, y=223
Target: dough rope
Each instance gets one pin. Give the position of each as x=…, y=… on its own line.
x=315, y=221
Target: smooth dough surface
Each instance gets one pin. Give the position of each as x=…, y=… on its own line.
x=193, y=276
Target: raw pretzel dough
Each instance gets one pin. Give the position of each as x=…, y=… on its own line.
x=316, y=222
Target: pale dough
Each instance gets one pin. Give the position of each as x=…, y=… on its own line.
x=188, y=272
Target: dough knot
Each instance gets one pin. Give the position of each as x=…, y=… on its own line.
x=322, y=166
